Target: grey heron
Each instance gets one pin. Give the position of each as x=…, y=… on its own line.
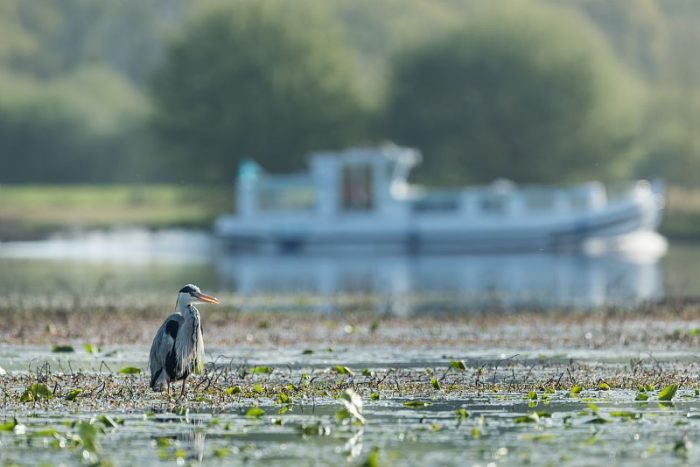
x=178, y=349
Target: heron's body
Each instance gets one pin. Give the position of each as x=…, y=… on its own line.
x=178, y=348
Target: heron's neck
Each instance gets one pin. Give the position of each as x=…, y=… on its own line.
x=187, y=309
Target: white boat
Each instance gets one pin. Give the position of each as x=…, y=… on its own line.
x=359, y=199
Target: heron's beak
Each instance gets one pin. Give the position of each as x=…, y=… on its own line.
x=207, y=298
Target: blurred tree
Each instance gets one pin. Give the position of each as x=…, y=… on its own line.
x=266, y=79
x=636, y=30
x=85, y=127
x=54, y=37
x=671, y=139
x=524, y=92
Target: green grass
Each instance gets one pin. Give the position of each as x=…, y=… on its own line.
x=28, y=211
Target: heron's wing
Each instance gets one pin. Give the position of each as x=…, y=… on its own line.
x=163, y=342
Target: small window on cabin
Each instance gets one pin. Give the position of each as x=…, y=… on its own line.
x=493, y=204
x=435, y=206
x=286, y=199
x=539, y=201
x=358, y=193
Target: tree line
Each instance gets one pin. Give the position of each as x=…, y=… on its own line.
x=529, y=90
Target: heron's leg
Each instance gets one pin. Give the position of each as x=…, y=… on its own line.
x=168, y=390
x=182, y=393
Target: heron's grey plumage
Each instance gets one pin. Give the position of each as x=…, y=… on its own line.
x=178, y=347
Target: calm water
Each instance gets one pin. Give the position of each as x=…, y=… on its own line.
x=138, y=262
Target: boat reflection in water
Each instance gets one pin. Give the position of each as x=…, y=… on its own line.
x=412, y=284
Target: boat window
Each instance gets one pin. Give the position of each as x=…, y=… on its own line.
x=539, y=201
x=276, y=198
x=493, y=204
x=434, y=205
x=358, y=193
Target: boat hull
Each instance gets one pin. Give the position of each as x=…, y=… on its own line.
x=442, y=235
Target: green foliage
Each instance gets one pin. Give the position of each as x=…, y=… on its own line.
x=265, y=79
x=86, y=126
x=262, y=370
x=255, y=412
x=73, y=395
x=523, y=92
x=667, y=393
x=343, y=370
x=91, y=348
x=458, y=365
x=417, y=404
x=529, y=418
x=36, y=392
x=130, y=370
x=9, y=426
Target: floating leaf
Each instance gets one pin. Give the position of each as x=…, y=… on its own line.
x=62, y=348
x=283, y=398
x=255, y=412
x=594, y=408
x=315, y=429
x=367, y=373
x=603, y=386
x=221, y=452
x=476, y=433
x=417, y=404
x=598, y=420
x=372, y=458
x=45, y=433
x=343, y=370
x=307, y=352
x=458, y=365
x=374, y=396
x=529, y=418
x=90, y=348
x=641, y=396
x=576, y=389
x=625, y=414
x=262, y=370
x=164, y=442
x=435, y=383
x=130, y=370
x=667, y=393
x=109, y=422
x=532, y=395
x=258, y=388
x=233, y=390
x=9, y=426
x=71, y=396
x=461, y=414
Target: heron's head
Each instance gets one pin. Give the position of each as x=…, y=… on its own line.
x=191, y=294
